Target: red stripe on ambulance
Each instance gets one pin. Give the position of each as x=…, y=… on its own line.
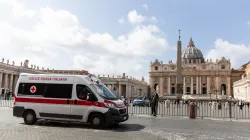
x=56, y=101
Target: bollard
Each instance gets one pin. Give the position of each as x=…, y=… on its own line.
x=192, y=110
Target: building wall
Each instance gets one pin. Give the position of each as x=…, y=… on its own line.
x=126, y=86
x=241, y=87
x=198, y=78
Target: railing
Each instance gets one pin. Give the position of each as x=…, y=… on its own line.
x=6, y=102
x=204, y=109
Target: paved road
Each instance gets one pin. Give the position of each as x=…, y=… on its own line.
x=141, y=127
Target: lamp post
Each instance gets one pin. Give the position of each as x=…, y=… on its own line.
x=230, y=106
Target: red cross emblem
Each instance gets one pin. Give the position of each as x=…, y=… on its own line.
x=33, y=89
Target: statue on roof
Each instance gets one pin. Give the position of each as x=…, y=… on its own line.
x=26, y=63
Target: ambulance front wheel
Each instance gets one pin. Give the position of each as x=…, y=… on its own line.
x=97, y=120
x=29, y=117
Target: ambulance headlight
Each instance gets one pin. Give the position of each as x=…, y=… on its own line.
x=110, y=105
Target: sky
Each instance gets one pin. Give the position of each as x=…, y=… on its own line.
x=112, y=37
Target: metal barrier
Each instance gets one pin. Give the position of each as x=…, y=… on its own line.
x=6, y=103
x=203, y=109
x=222, y=110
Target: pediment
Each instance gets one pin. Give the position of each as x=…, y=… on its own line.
x=156, y=62
x=223, y=60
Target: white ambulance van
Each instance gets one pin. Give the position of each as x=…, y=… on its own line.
x=81, y=98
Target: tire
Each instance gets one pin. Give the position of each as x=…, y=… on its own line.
x=97, y=120
x=29, y=117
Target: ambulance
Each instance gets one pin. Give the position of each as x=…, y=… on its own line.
x=73, y=98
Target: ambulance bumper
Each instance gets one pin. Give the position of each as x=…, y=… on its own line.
x=18, y=111
x=114, y=116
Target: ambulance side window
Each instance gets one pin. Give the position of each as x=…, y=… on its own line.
x=82, y=92
x=63, y=91
x=31, y=89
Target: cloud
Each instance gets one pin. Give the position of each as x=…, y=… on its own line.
x=235, y=52
x=145, y=6
x=56, y=39
x=121, y=20
x=18, y=9
x=135, y=18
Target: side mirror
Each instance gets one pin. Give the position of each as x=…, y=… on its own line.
x=90, y=97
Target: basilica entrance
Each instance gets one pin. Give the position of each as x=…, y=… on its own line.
x=173, y=90
x=204, y=90
x=223, y=89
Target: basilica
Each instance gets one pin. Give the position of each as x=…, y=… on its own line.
x=201, y=79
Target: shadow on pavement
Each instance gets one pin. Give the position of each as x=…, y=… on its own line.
x=116, y=128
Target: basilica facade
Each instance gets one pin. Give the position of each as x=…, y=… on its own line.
x=201, y=79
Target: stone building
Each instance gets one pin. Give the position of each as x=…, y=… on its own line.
x=201, y=79
x=121, y=85
x=9, y=73
x=242, y=86
x=125, y=86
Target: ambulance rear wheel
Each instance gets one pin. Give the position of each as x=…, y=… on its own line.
x=97, y=120
x=29, y=117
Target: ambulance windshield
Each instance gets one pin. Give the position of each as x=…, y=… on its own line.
x=103, y=91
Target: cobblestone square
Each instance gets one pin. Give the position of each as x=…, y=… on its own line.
x=139, y=127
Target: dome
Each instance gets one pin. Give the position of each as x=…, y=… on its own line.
x=191, y=54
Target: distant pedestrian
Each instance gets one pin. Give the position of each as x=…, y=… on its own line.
x=241, y=104
x=155, y=101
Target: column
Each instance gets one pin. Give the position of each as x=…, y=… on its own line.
x=6, y=81
x=184, y=85
x=200, y=84
x=151, y=83
x=192, y=85
x=130, y=92
x=169, y=86
x=14, y=83
x=248, y=91
x=11, y=83
x=208, y=84
x=197, y=85
x=127, y=91
x=120, y=91
x=217, y=83
x=1, y=78
x=161, y=86
x=228, y=88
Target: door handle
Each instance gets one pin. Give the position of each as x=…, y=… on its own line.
x=68, y=101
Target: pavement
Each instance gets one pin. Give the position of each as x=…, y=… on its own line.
x=138, y=127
